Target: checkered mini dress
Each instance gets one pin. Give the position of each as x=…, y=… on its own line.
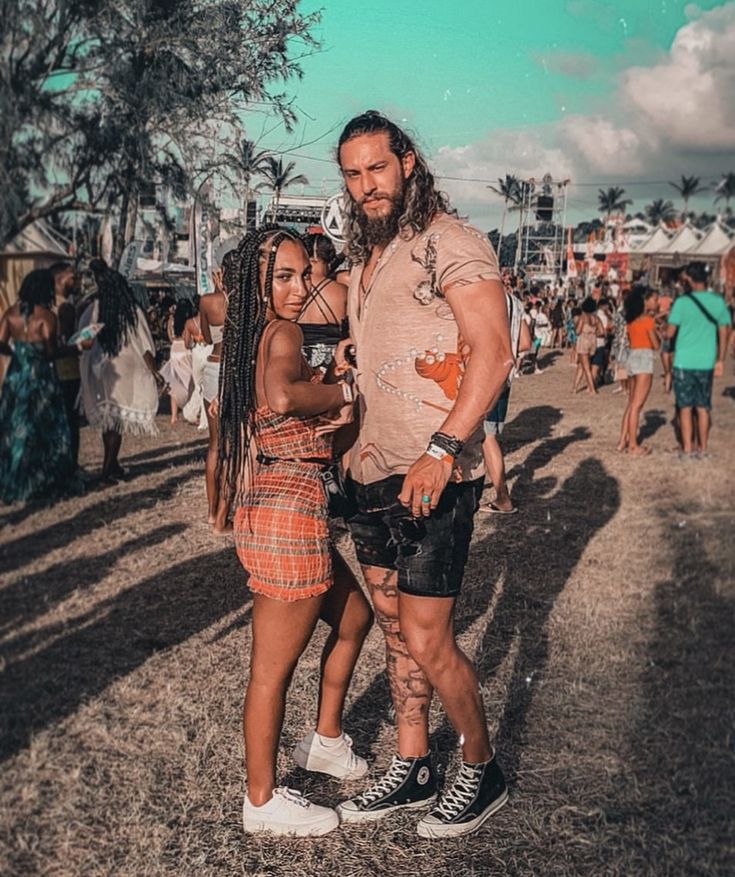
x=281, y=534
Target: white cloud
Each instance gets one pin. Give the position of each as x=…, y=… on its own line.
x=675, y=115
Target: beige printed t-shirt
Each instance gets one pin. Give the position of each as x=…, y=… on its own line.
x=410, y=357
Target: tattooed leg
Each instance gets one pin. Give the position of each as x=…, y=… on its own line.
x=410, y=691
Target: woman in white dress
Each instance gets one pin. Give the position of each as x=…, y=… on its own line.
x=120, y=381
x=177, y=372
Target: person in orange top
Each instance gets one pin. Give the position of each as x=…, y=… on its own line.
x=640, y=305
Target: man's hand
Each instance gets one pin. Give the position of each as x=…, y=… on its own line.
x=423, y=485
x=719, y=369
x=344, y=356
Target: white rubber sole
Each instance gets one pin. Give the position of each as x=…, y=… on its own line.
x=305, y=760
x=255, y=826
x=441, y=830
x=374, y=815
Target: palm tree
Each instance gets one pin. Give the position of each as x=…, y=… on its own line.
x=611, y=200
x=509, y=190
x=248, y=162
x=279, y=177
x=725, y=189
x=689, y=186
x=659, y=211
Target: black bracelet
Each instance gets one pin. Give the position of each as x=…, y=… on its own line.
x=449, y=443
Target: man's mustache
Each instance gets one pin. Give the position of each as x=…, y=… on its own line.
x=377, y=196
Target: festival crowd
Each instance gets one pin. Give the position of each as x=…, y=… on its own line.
x=373, y=394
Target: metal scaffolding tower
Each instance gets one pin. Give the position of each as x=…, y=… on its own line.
x=543, y=210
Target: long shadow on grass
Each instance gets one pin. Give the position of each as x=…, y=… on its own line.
x=33, y=595
x=535, y=558
x=488, y=560
x=681, y=743
x=530, y=425
x=189, y=452
x=84, y=655
x=29, y=548
x=653, y=421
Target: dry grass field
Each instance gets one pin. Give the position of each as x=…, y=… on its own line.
x=600, y=618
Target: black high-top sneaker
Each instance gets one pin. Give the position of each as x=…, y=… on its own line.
x=478, y=791
x=408, y=784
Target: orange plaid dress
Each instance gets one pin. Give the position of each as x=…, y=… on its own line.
x=281, y=534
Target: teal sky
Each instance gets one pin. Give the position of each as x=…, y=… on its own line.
x=457, y=73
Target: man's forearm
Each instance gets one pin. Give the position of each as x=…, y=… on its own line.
x=483, y=383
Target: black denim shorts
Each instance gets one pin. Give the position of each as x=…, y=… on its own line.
x=429, y=553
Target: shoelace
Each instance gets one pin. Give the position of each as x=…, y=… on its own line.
x=462, y=792
x=393, y=778
x=292, y=795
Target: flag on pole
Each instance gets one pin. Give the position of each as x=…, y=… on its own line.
x=200, y=247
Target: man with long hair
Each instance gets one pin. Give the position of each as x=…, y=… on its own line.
x=428, y=318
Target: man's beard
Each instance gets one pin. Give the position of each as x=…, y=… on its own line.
x=380, y=230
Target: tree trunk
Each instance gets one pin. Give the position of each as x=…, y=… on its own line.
x=500, y=237
x=122, y=229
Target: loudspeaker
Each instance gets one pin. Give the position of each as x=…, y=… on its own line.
x=544, y=208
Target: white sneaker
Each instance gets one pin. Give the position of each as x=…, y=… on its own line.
x=288, y=812
x=337, y=760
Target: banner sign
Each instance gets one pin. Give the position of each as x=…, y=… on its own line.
x=201, y=246
x=129, y=259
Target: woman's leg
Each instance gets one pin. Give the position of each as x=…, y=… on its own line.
x=623, y=440
x=111, y=442
x=577, y=375
x=639, y=394
x=174, y=409
x=346, y=611
x=281, y=632
x=211, y=465
x=585, y=360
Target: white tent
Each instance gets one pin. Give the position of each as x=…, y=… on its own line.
x=658, y=240
x=37, y=246
x=716, y=242
x=685, y=239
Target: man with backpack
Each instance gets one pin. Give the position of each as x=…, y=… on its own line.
x=701, y=322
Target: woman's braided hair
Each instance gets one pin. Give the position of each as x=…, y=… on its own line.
x=117, y=307
x=243, y=329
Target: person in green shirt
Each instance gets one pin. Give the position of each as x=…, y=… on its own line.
x=700, y=321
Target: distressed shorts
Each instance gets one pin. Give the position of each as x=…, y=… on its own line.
x=495, y=418
x=428, y=553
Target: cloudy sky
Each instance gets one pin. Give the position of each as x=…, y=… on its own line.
x=632, y=92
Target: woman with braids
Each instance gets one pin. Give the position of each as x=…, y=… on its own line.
x=323, y=319
x=35, y=442
x=271, y=403
x=120, y=381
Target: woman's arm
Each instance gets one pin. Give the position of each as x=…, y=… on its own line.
x=285, y=389
x=654, y=337
x=204, y=322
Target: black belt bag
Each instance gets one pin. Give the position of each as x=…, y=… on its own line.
x=339, y=501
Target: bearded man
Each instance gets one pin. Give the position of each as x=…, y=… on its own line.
x=428, y=318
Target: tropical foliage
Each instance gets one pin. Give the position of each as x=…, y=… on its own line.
x=612, y=201
x=659, y=211
x=101, y=100
x=279, y=176
x=688, y=187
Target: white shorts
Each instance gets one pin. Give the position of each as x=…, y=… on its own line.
x=210, y=381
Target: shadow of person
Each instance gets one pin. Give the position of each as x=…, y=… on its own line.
x=549, y=357
x=35, y=594
x=530, y=425
x=535, y=563
x=31, y=547
x=681, y=740
x=653, y=421
x=80, y=658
